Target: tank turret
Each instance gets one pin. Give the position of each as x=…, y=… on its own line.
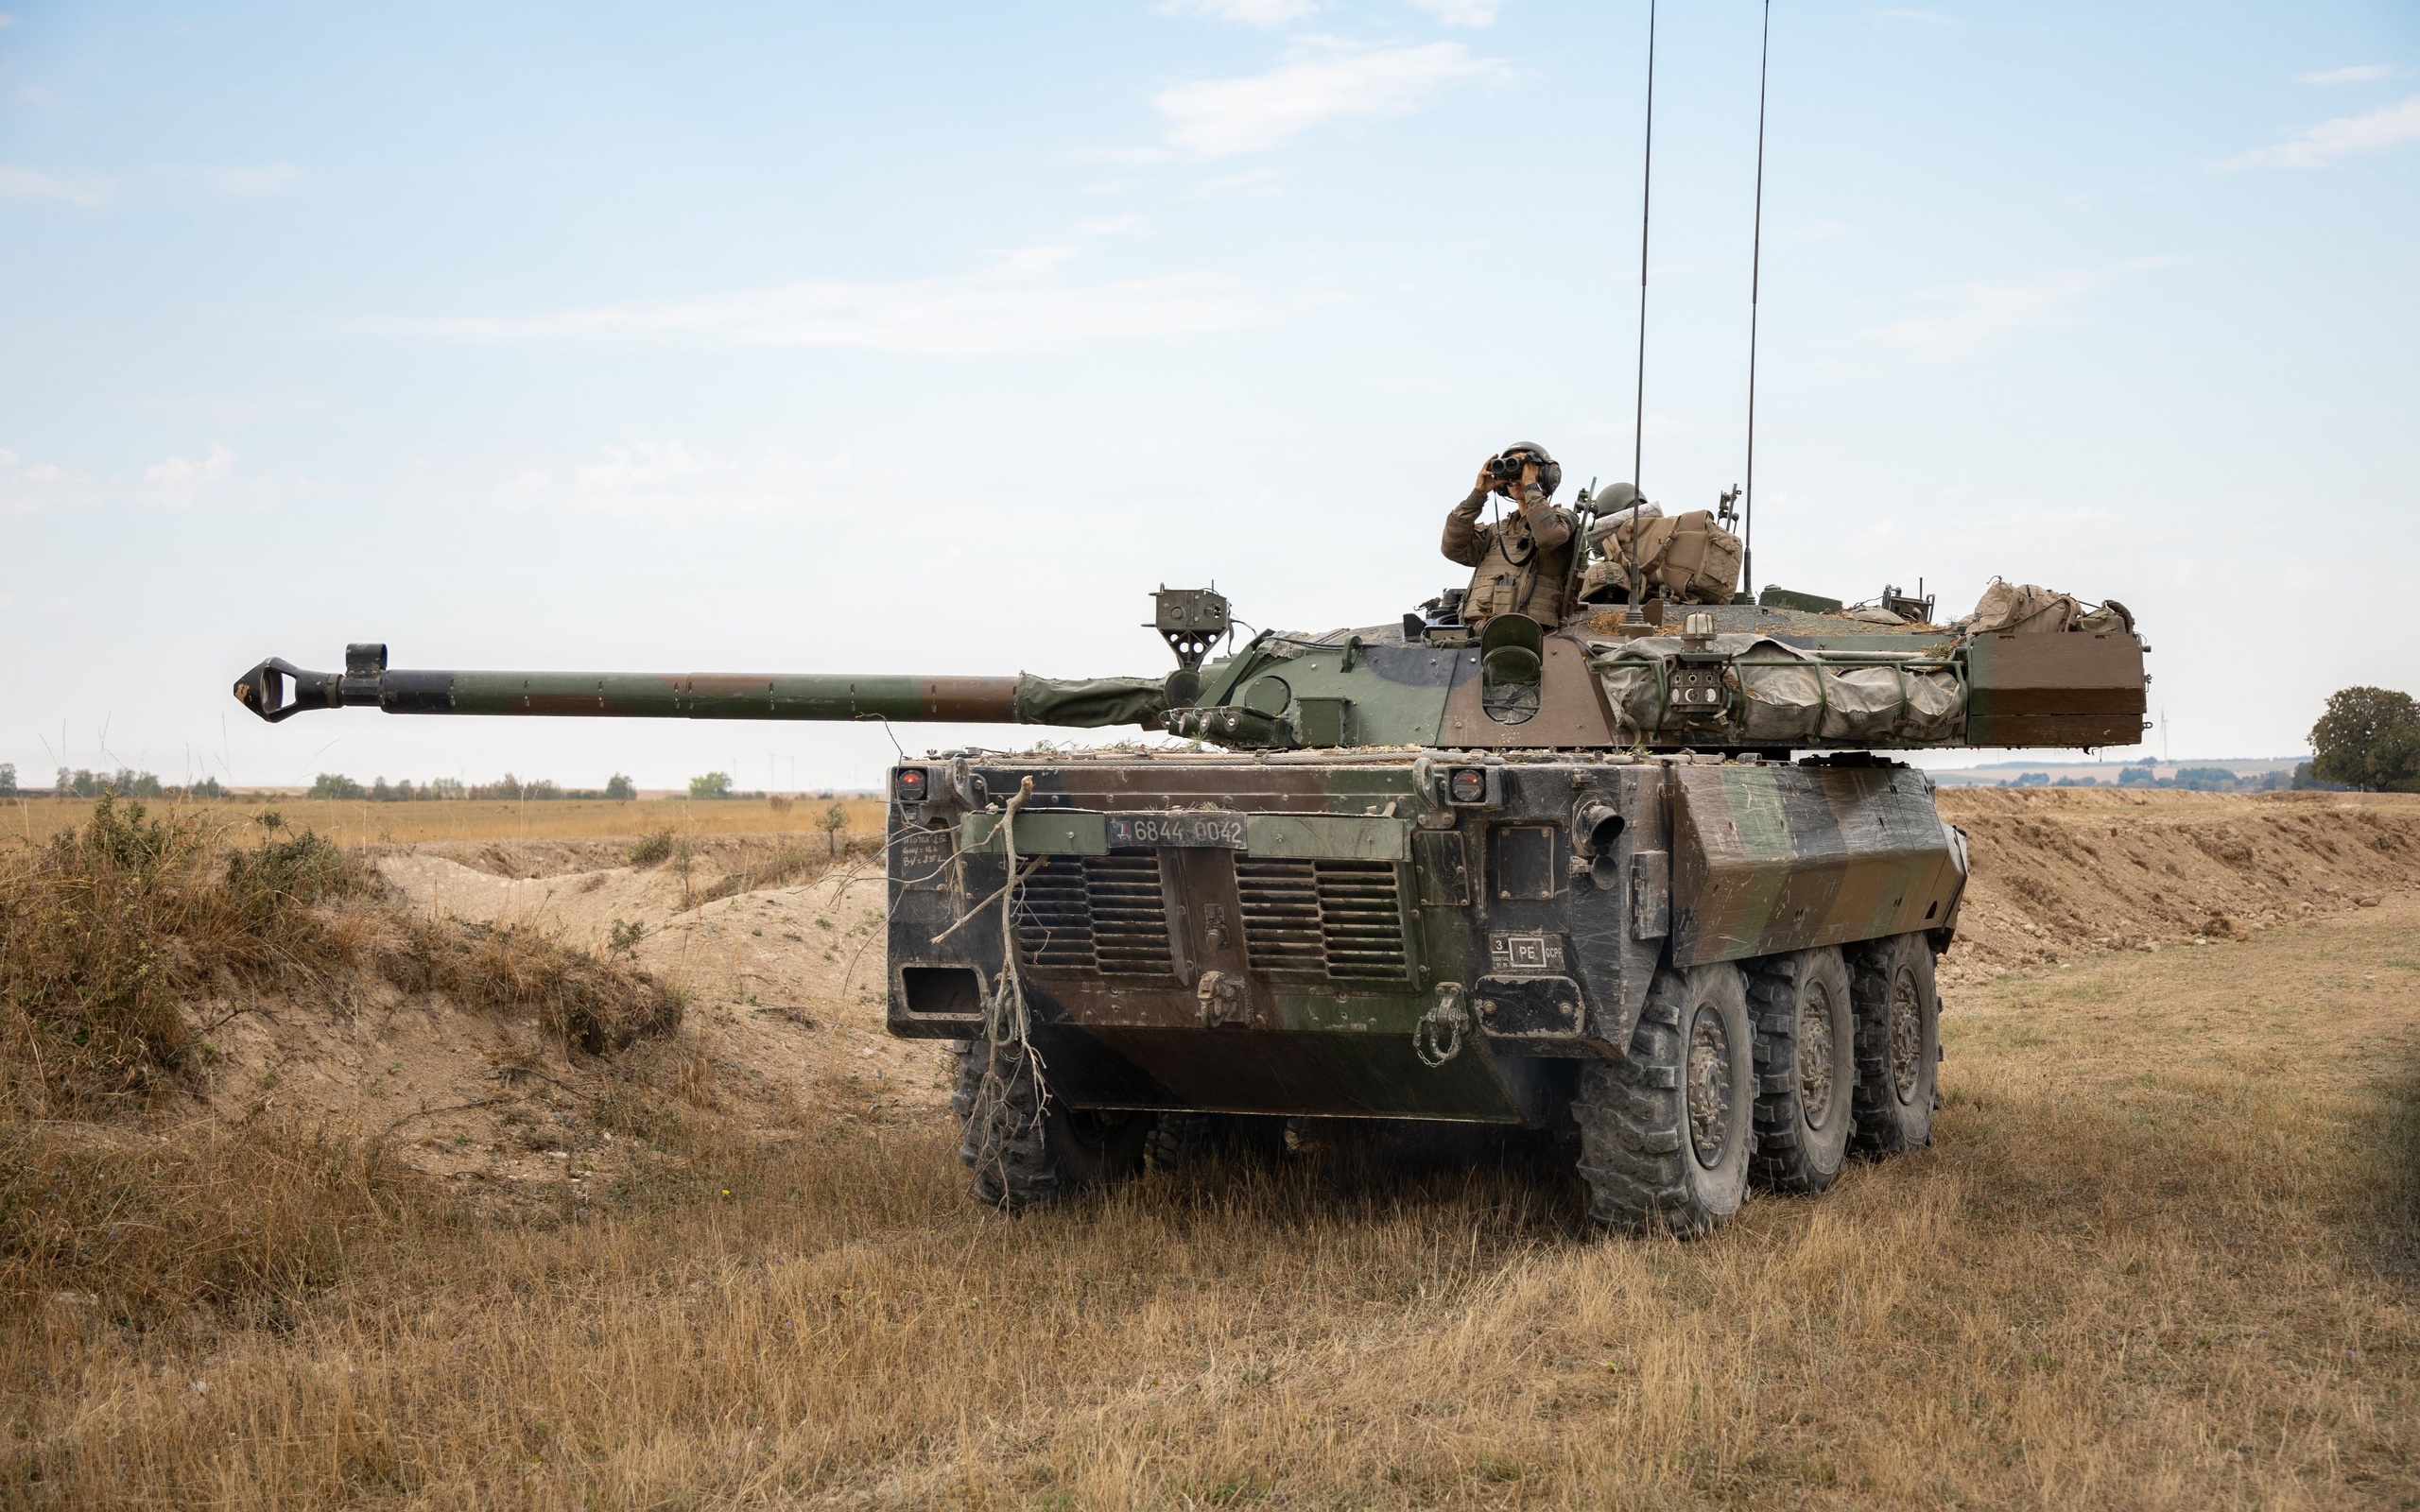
x=1715, y=677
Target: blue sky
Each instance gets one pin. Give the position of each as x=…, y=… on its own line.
x=890, y=339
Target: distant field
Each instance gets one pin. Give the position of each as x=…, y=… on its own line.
x=367, y=823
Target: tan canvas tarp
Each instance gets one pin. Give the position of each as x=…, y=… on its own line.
x=2021, y=609
x=1786, y=696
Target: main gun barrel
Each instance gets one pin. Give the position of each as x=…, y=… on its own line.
x=276, y=690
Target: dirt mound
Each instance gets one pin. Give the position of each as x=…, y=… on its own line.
x=784, y=983
x=2060, y=873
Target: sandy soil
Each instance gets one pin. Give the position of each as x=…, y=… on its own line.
x=783, y=1032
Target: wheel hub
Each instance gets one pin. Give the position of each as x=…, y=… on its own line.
x=1907, y=1034
x=1815, y=1048
x=1709, y=1089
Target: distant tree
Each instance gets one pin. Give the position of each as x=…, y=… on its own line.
x=713, y=784
x=2029, y=780
x=444, y=787
x=2137, y=775
x=124, y=783
x=620, y=789
x=7, y=778
x=207, y=787
x=2206, y=779
x=334, y=786
x=836, y=818
x=380, y=792
x=2303, y=781
x=2368, y=738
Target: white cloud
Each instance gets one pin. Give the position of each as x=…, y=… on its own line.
x=1017, y=305
x=180, y=480
x=177, y=482
x=1971, y=318
x=1110, y=226
x=2341, y=138
x=7, y=20
x=669, y=482
x=2358, y=74
x=1251, y=12
x=1462, y=13
x=27, y=183
x=1219, y=117
x=25, y=487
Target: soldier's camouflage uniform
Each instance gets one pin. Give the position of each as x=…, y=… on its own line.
x=1519, y=564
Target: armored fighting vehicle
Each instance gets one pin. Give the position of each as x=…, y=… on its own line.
x=1642, y=877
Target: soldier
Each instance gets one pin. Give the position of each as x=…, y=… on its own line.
x=1521, y=563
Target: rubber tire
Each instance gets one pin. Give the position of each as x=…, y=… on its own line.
x=1643, y=1169
x=1027, y=1147
x=1176, y=1140
x=1894, y=1101
x=1799, y=1149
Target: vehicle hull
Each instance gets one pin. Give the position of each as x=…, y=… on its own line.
x=1307, y=935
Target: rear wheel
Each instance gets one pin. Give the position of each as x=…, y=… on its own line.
x=1898, y=1045
x=1806, y=1068
x=1665, y=1134
x=1177, y=1139
x=1026, y=1146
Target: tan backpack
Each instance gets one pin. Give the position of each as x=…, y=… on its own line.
x=1688, y=555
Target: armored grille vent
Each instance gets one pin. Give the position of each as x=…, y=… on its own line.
x=1281, y=909
x=1101, y=916
x=1342, y=918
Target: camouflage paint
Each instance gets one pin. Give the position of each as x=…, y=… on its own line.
x=1747, y=858
x=1775, y=859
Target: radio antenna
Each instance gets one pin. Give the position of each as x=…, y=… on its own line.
x=1646, y=185
x=1755, y=281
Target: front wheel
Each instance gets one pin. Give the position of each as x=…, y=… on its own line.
x=1026, y=1146
x=1666, y=1133
x=1898, y=1045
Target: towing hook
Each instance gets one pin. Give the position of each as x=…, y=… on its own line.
x=1437, y=1037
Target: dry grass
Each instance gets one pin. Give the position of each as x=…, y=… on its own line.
x=35, y=820
x=129, y=1228
x=2162, y=1256
x=110, y=928
x=111, y=936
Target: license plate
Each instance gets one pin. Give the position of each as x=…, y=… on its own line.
x=1202, y=829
